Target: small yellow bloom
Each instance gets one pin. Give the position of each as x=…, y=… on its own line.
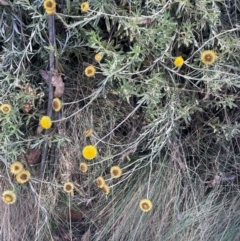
x=88, y=132
x=84, y=7
x=106, y=189
x=68, y=187
x=98, y=57
x=116, y=172
x=23, y=176
x=5, y=108
x=16, y=167
x=100, y=182
x=145, y=205
x=49, y=6
x=89, y=152
x=208, y=57
x=9, y=197
x=90, y=71
x=83, y=167
x=179, y=61
x=45, y=122
x=57, y=104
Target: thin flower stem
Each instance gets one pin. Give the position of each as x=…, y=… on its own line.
x=70, y=221
x=136, y=229
x=149, y=178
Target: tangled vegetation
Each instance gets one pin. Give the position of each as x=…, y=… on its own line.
x=119, y=120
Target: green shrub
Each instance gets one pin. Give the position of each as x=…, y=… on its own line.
x=173, y=130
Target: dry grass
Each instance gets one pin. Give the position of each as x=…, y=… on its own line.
x=174, y=132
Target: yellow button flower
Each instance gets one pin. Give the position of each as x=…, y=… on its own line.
x=116, y=171
x=57, y=104
x=84, y=7
x=83, y=167
x=5, y=108
x=106, y=189
x=68, y=187
x=90, y=71
x=100, y=182
x=45, y=122
x=145, y=205
x=23, y=176
x=89, y=152
x=9, y=197
x=98, y=57
x=179, y=61
x=49, y=6
x=16, y=167
x=208, y=57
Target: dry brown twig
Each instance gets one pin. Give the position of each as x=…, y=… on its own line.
x=52, y=40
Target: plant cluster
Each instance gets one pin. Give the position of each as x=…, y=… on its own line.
x=138, y=99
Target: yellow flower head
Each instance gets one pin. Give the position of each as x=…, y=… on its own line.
x=116, y=172
x=49, y=6
x=100, y=182
x=57, y=104
x=98, y=57
x=208, y=57
x=16, y=167
x=90, y=71
x=83, y=167
x=179, y=61
x=23, y=176
x=88, y=132
x=5, y=108
x=106, y=189
x=89, y=152
x=84, y=7
x=145, y=205
x=9, y=197
x=68, y=187
x=45, y=122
